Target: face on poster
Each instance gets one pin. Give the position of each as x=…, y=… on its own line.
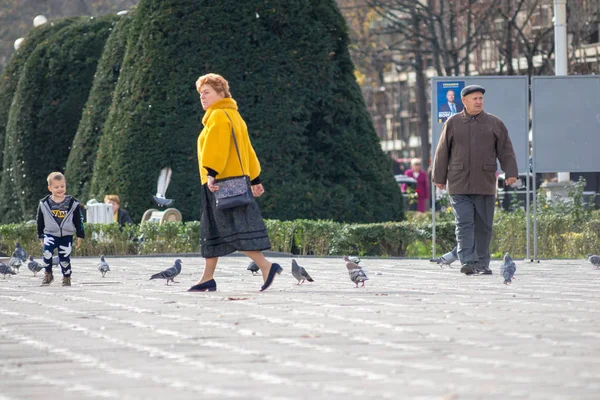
x=448, y=99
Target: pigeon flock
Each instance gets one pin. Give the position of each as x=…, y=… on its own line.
x=356, y=273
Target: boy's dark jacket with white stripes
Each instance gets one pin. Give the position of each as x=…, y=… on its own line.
x=70, y=225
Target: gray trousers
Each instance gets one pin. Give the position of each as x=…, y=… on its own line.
x=474, y=216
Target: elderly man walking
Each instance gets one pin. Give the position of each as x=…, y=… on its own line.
x=465, y=159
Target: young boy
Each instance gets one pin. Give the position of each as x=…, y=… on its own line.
x=58, y=218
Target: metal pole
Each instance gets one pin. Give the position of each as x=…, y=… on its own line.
x=433, y=194
x=527, y=211
x=560, y=52
x=534, y=208
x=432, y=155
x=527, y=177
x=533, y=175
x=560, y=37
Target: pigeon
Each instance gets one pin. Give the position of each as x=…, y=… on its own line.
x=34, y=266
x=164, y=178
x=446, y=259
x=357, y=275
x=170, y=273
x=20, y=253
x=103, y=266
x=507, y=269
x=354, y=259
x=253, y=267
x=595, y=260
x=15, y=263
x=300, y=273
x=6, y=270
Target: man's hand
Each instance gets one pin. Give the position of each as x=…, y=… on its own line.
x=510, y=181
x=440, y=186
x=211, y=184
x=258, y=190
x=78, y=243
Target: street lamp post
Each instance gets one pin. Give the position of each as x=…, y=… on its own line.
x=560, y=51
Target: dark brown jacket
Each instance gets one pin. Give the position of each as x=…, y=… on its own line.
x=466, y=154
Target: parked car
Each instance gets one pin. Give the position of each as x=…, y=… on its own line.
x=410, y=181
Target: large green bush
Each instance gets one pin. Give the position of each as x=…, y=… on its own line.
x=46, y=110
x=9, y=207
x=290, y=71
x=82, y=157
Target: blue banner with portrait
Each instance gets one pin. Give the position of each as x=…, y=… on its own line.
x=448, y=99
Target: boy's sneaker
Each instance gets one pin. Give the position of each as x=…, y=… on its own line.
x=48, y=278
x=66, y=281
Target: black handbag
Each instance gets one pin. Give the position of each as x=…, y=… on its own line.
x=233, y=191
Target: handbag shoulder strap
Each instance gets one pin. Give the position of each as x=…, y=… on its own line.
x=235, y=142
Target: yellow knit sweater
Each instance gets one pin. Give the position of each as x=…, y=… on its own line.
x=216, y=149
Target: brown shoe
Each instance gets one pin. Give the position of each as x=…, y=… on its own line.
x=48, y=278
x=66, y=281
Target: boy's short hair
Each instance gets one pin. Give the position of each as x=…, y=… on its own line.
x=112, y=197
x=55, y=176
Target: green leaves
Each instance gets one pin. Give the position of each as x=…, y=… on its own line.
x=288, y=66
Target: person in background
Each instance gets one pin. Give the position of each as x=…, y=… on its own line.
x=422, y=183
x=465, y=161
x=121, y=216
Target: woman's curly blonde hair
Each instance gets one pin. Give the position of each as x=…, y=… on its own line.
x=216, y=81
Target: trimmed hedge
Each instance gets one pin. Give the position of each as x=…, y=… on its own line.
x=9, y=207
x=290, y=71
x=52, y=91
x=302, y=237
x=322, y=238
x=82, y=157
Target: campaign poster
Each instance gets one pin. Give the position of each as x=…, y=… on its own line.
x=448, y=99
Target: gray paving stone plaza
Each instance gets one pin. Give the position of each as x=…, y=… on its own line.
x=414, y=332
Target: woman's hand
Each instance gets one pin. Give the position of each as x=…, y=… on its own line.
x=211, y=184
x=258, y=190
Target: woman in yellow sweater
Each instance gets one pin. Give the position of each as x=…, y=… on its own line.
x=240, y=228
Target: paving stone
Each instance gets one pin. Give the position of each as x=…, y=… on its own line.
x=415, y=331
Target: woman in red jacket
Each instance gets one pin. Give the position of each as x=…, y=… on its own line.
x=422, y=183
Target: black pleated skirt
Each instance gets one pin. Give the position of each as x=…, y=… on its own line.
x=235, y=229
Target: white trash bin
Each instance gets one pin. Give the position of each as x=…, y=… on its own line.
x=99, y=213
